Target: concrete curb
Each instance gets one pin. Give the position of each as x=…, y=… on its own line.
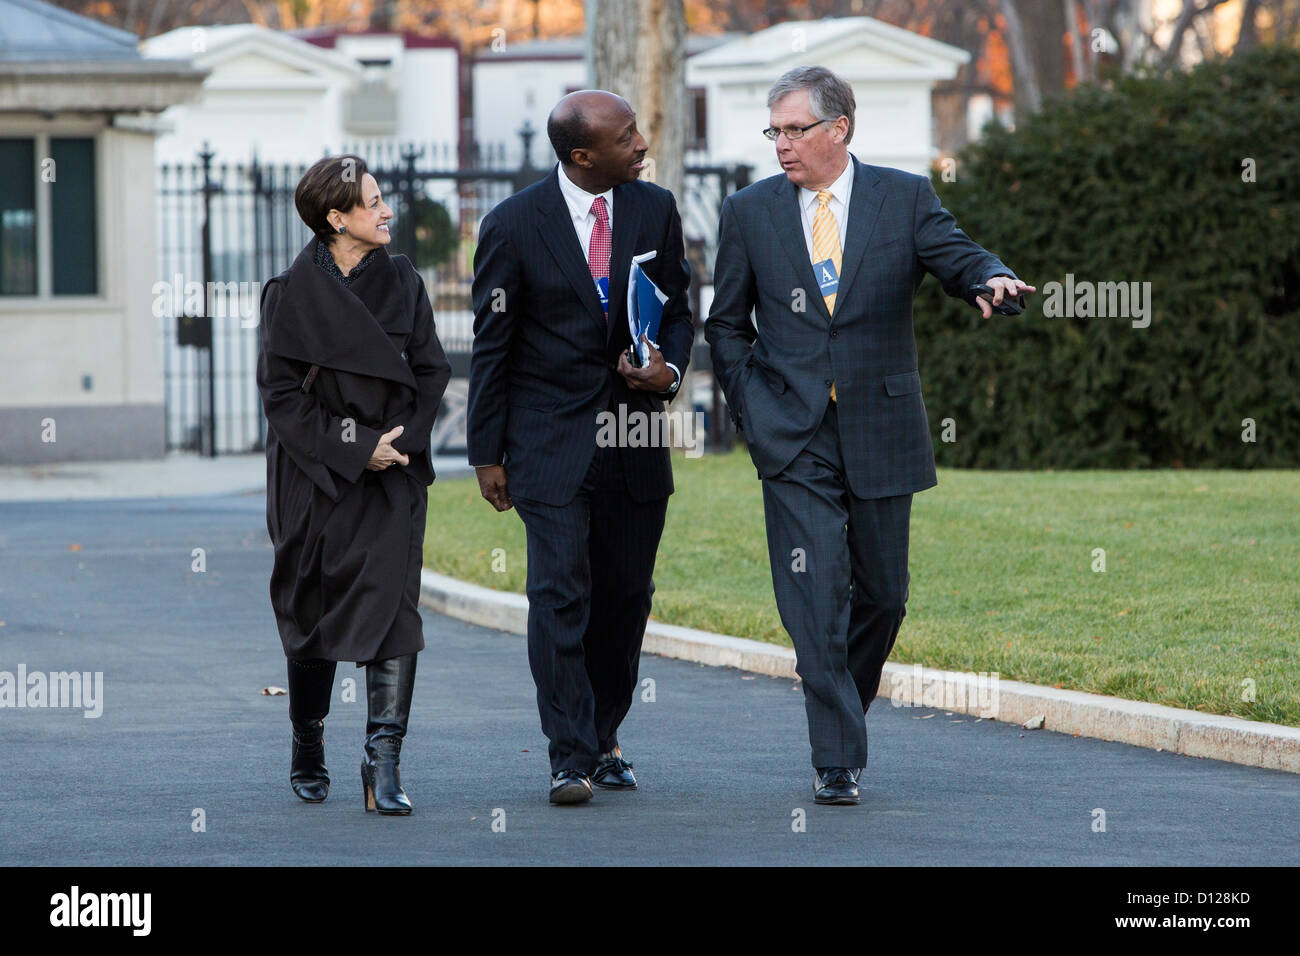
x=1187, y=732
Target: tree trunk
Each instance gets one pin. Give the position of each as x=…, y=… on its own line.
x=637, y=49
x=1077, y=64
x=1028, y=96
x=1248, y=34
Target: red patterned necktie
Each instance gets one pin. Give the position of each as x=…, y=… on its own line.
x=602, y=244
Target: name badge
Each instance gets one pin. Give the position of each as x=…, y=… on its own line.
x=602, y=292
x=828, y=278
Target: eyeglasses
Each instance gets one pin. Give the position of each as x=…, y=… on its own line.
x=791, y=132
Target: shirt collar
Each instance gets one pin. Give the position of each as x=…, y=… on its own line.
x=839, y=189
x=578, y=199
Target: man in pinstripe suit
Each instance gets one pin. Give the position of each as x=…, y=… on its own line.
x=828, y=255
x=549, y=361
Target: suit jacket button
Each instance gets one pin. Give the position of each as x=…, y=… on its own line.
x=828, y=382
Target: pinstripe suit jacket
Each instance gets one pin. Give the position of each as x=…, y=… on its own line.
x=777, y=376
x=544, y=359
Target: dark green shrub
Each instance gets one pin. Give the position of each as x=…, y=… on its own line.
x=1139, y=183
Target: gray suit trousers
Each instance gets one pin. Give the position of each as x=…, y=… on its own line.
x=839, y=572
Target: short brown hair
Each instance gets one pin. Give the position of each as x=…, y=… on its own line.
x=332, y=183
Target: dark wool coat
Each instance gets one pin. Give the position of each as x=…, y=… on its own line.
x=348, y=541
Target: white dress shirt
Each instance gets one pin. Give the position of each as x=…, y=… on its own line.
x=579, y=202
x=584, y=221
x=840, y=191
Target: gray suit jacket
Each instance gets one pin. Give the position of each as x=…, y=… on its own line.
x=777, y=377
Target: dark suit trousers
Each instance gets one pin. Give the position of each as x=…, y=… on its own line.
x=839, y=572
x=590, y=567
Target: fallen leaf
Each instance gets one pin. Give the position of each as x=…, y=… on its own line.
x=1058, y=686
x=77, y=547
x=1120, y=614
x=273, y=692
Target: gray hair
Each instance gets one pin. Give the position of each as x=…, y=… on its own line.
x=829, y=97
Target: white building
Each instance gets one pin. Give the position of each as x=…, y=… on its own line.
x=80, y=369
x=522, y=83
x=892, y=71
x=289, y=98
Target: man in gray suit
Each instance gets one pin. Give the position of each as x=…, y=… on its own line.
x=827, y=391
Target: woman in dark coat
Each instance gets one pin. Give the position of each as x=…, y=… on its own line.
x=351, y=375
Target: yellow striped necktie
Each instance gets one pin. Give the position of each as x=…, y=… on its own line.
x=826, y=245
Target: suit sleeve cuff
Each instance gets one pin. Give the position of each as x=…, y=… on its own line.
x=349, y=458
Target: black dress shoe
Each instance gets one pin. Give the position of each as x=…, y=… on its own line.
x=613, y=772
x=570, y=786
x=836, y=785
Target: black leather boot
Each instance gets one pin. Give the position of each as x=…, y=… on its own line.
x=389, y=684
x=311, y=682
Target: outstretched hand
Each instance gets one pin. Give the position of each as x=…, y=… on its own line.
x=1003, y=287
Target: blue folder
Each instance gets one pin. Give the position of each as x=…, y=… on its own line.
x=645, y=310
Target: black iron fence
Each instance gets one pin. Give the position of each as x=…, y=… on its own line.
x=224, y=228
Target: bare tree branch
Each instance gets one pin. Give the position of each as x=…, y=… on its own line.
x=1189, y=14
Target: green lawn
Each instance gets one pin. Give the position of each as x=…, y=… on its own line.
x=1199, y=594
